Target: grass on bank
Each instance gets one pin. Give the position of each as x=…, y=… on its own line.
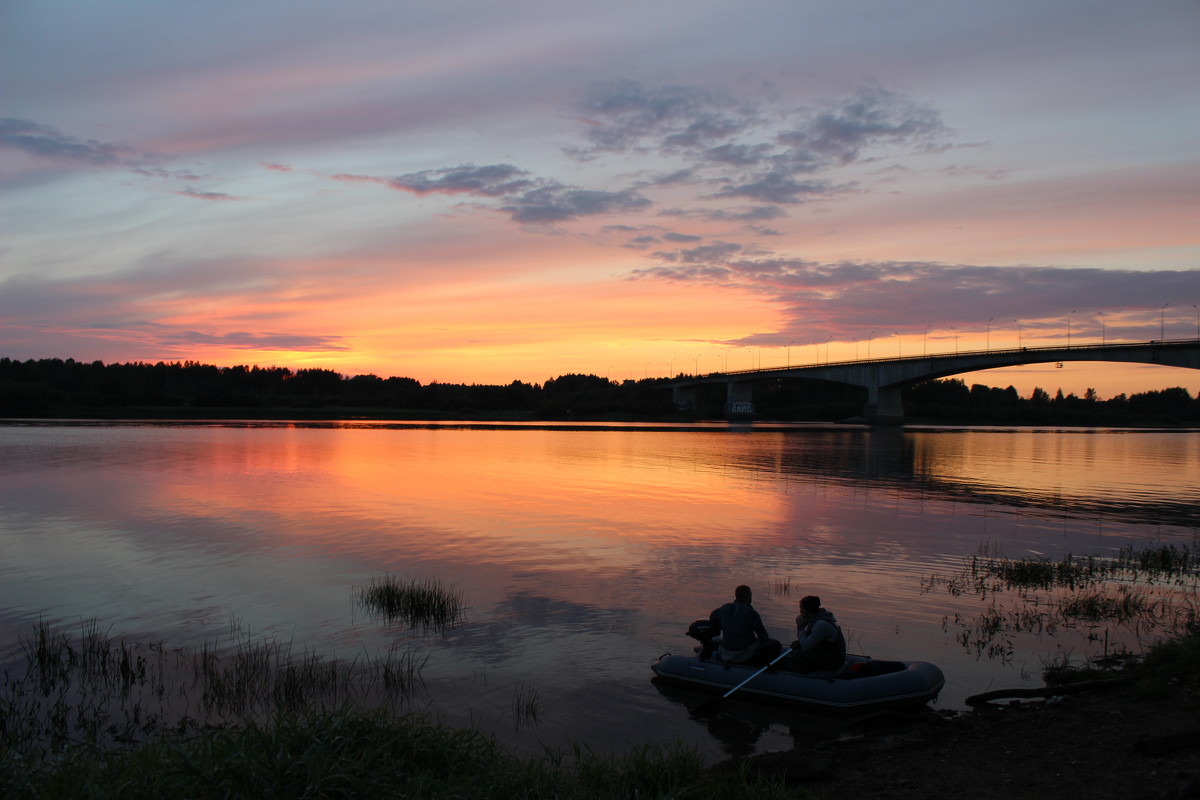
x=1170, y=668
x=355, y=754
x=90, y=715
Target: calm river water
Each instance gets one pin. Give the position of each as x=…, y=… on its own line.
x=583, y=552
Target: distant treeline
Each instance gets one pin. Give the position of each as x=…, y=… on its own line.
x=69, y=388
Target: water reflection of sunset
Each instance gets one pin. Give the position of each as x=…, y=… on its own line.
x=577, y=548
x=1114, y=468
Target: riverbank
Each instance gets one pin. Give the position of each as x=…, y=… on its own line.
x=1110, y=745
x=1137, y=740
x=1140, y=740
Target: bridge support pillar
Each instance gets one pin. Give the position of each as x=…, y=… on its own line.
x=739, y=400
x=684, y=397
x=884, y=406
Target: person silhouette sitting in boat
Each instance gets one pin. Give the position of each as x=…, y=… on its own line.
x=744, y=638
x=819, y=643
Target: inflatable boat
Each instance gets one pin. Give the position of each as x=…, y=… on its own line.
x=862, y=684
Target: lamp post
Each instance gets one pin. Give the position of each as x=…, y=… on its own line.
x=869, y=337
x=828, y=339
x=1197, y=320
x=899, y=345
x=1103, y=339
x=789, y=353
x=988, y=339
x=1162, y=322
x=1069, y=328
x=924, y=337
x=1020, y=343
x=955, y=339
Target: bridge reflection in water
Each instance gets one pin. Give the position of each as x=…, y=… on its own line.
x=885, y=378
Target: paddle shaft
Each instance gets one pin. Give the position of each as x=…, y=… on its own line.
x=755, y=675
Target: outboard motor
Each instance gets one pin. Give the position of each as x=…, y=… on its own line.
x=705, y=631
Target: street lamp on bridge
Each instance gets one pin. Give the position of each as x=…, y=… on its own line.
x=1162, y=324
x=1020, y=343
x=1069, y=328
x=988, y=338
x=1103, y=339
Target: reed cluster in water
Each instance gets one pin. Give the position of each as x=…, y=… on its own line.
x=417, y=603
x=97, y=690
x=1148, y=593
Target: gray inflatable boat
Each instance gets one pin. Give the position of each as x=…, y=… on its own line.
x=863, y=684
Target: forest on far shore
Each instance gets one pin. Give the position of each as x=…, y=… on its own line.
x=58, y=388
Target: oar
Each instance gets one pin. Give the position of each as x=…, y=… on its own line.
x=711, y=705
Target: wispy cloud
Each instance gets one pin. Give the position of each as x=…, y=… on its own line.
x=849, y=299
x=202, y=195
x=525, y=198
x=764, y=154
x=44, y=141
x=247, y=340
x=728, y=150
x=624, y=115
x=558, y=203
x=492, y=180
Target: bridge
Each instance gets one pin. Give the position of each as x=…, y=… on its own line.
x=885, y=378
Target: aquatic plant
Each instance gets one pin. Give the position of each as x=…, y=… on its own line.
x=101, y=691
x=990, y=571
x=427, y=604
x=1148, y=592
x=525, y=706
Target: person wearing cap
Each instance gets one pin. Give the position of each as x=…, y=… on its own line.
x=819, y=643
x=742, y=629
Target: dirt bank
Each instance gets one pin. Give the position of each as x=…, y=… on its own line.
x=1093, y=745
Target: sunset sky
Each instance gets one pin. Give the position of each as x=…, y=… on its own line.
x=482, y=192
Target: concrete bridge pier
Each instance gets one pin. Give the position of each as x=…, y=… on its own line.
x=884, y=406
x=684, y=397
x=739, y=399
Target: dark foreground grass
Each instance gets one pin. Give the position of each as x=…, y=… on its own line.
x=1168, y=669
x=97, y=716
x=365, y=754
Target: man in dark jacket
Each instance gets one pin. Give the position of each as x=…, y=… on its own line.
x=819, y=643
x=742, y=629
